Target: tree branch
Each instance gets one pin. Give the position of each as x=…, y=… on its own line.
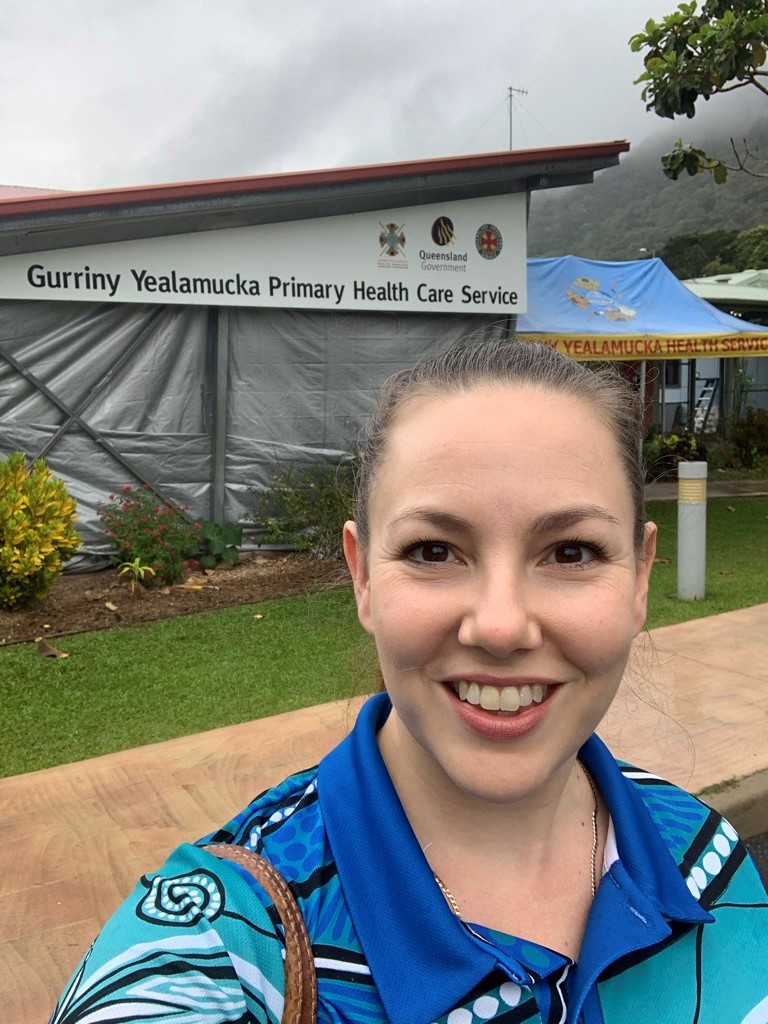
x=739, y=85
x=740, y=161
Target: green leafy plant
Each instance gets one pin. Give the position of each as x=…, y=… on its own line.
x=37, y=530
x=219, y=543
x=721, y=455
x=686, y=157
x=661, y=454
x=143, y=526
x=138, y=572
x=306, y=508
x=651, y=450
x=749, y=437
x=692, y=54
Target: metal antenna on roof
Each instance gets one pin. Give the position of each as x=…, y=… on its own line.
x=510, y=98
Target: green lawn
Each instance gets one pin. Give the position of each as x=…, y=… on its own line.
x=127, y=686
x=737, y=560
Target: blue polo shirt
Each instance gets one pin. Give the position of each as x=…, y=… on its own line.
x=678, y=931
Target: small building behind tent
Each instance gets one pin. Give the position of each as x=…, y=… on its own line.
x=743, y=294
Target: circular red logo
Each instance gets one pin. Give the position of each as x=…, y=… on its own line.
x=488, y=241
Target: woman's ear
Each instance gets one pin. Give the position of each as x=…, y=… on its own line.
x=644, y=564
x=354, y=553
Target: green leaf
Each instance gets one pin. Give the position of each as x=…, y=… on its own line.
x=210, y=529
x=231, y=533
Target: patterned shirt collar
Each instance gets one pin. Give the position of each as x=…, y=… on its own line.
x=423, y=959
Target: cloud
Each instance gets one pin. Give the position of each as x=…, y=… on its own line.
x=95, y=94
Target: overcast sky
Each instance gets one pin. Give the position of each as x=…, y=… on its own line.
x=95, y=93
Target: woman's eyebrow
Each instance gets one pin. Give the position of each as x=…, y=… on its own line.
x=563, y=519
x=440, y=520
x=550, y=522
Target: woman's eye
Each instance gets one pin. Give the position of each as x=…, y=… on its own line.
x=430, y=551
x=572, y=554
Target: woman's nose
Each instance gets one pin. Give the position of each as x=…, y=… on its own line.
x=499, y=616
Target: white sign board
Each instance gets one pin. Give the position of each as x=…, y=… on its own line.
x=467, y=256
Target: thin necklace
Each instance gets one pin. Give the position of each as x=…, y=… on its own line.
x=595, y=810
x=450, y=899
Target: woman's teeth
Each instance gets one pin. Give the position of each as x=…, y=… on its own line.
x=507, y=699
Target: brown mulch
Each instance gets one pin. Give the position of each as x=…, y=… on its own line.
x=85, y=601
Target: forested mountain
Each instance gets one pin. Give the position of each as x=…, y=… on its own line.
x=716, y=252
x=634, y=207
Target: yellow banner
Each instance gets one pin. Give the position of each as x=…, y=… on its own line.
x=586, y=348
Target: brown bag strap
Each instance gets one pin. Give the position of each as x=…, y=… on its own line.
x=300, y=979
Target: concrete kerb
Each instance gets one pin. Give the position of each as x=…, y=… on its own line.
x=744, y=802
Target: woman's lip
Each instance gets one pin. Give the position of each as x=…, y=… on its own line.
x=495, y=726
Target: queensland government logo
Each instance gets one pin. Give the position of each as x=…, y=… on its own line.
x=443, y=232
x=445, y=257
x=488, y=241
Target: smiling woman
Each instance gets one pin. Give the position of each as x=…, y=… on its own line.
x=500, y=556
x=472, y=851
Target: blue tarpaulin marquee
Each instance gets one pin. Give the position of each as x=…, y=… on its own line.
x=593, y=309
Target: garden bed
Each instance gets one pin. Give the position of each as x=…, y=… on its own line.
x=85, y=601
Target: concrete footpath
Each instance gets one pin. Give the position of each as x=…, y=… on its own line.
x=747, y=801
x=666, y=490
x=754, y=793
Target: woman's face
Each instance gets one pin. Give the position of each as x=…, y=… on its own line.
x=500, y=583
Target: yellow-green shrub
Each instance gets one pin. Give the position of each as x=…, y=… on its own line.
x=37, y=531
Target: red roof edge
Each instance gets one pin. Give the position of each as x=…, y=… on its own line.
x=27, y=191
x=144, y=194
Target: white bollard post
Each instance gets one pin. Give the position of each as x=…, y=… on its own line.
x=691, y=530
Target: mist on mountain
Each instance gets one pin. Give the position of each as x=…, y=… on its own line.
x=630, y=212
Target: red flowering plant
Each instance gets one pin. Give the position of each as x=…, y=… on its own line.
x=143, y=526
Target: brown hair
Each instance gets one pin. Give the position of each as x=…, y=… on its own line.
x=510, y=363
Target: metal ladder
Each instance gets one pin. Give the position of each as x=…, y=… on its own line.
x=705, y=405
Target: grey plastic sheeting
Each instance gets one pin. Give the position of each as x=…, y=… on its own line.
x=300, y=386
